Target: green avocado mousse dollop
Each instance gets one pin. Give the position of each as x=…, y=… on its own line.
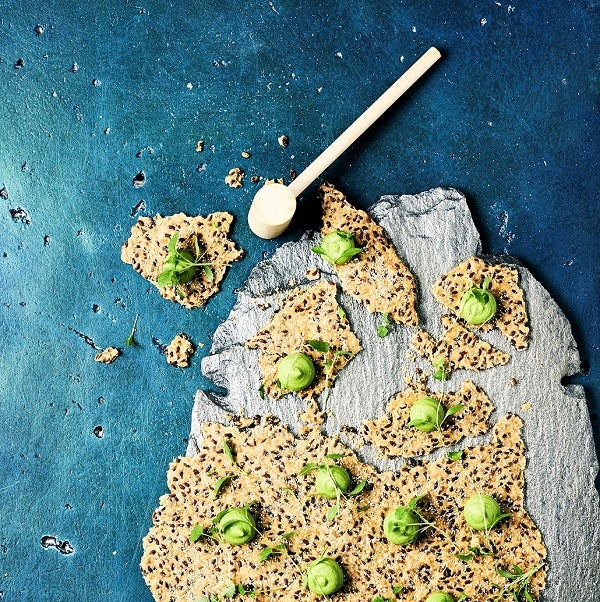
x=237, y=526
x=439, y=597
x=482, y=512
x=401, y=526
x=295, y=371
x=478, y=305
x=426, y=414
x=332, y=481
x=337, y=247
x=324, y=576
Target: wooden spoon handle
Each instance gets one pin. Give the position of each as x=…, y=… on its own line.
x=349, y=135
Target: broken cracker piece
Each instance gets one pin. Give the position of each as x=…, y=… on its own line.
x=306, y=314
x=377, y=277
x=147, y=248
x=459, y=347
x=179, y=351
x=511, y=316
x=235, y=177
x=108, y=355
x=393, y=438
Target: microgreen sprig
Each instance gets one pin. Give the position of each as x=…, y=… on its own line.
x=330, y=358
x=518, y=583
x=383, y=329
x=130, y=340
x=180, y=266
x=279, y=549
x=332, y=482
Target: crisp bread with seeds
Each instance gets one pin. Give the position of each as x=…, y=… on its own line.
x=393, y=438
x=147, y=248
x=458, y=347
x=264, y=466
x=511, y=316
x=306, y=314
x=377, y=277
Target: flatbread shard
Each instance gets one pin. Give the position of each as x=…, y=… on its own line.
x=393, y=438
x=511, y=317
x=377, y=277
x=306, y=314
x=146, y=250
x=458, y=347
x=268, y=460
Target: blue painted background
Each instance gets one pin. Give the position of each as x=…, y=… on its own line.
x=104, y=90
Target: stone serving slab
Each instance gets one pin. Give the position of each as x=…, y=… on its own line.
x=433, y=231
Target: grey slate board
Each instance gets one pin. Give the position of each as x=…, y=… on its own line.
x=433, y=231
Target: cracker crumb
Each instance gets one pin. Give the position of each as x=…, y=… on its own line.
x=108, y=355
x=526, y=406
x=199, y=146
x=313, y=273
x=283, y=141
x=179, y=351
x=235, y=177
x=246, y=154
x=513, y=382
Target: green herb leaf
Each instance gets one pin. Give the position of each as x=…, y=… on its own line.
x=220, y=483
x=196, y=533
x=210, y=275
x=320, y=346
x=341, y=313
x=335, y=456
x=265, y=554
x=228, y=452
x=308, y=469
x=261, y=390
x=398, y=589
x=454, y=409
x=462, y=597
x=229, y=591
x=130, y=340
x=333, y=512
x=358, y=488
x=456, y=455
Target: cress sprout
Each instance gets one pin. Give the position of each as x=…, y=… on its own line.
x=295, y=371
x=439, y=597
x=482, y=512
x=180, y=265
x=324, y=576
x=337, y=247
x=236, y=525
x=478, y=305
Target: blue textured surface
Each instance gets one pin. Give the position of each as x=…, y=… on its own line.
x=510, y=116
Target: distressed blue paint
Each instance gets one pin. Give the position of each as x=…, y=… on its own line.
x=510, y=116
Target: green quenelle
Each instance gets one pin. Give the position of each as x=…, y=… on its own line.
x=478, y=305
x=331, y=481
x=426, y=414
x=295, y=371
x=439, y=597
x=237, y=526
x=337, y=247
x=324, y=576
x=401, y=526
x=482, y=512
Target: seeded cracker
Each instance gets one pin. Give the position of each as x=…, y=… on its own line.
x=268, y=459
x=390, y=435
x=377, y=277
x=179, y=351
x=459, y=347
x=146, y=250
x=306, y=314
x=511, y=317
